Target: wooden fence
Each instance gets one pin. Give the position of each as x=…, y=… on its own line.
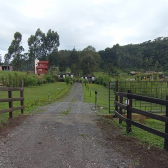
x=131, y=110
x=10, y=99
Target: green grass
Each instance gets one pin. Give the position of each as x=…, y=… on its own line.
x=102, y=101
x=35, y=96
x=97, y=74
x=102, y=95
x=65, y=112
x=145, y=136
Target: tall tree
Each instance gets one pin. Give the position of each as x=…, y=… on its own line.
x=15, y=50
x=90, y=60
x=62, y=60
x=41, y=45
x=74, y=62
x=0, y=59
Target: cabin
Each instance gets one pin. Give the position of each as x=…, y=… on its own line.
x=63, y=75
x=6, y=68
x=88, y=77
x=42, y=67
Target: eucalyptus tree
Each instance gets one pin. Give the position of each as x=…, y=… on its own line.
x=41, y=45
x=15, y=50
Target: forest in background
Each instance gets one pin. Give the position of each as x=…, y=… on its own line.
x=146, y=56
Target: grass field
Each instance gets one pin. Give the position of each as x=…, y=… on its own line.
x=35, y=96
x=145, y=136
x=102, y=95
x=102, y=101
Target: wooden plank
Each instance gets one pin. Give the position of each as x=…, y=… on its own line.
x=11, y=99
x=120, y=111
x=120, y=116
x=10, y=104
x=121, y=105
x=148, y=99
x=150, y=115
x=22, y=96
x=146, y=128
x=166, y=128
x=11, y=109
x=129, y=113
x=11, y=89
x=121, y=94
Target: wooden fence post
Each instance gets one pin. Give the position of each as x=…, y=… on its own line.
x=10, y=103
x=120, y=111
x=116, y=97
x=21, y=95
x=129, y=113
x=166, y=127
x=95, y=99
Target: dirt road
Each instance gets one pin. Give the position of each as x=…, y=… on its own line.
x=63, y=135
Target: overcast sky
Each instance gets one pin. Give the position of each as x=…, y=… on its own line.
x=79, y=23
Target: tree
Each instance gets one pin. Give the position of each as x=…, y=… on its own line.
x=90, y=60
x=0, y=59
x=15, y=50
x=36, y=45
x=51, y=42
x=62, y=60
x=41, y=45
x=74, y=62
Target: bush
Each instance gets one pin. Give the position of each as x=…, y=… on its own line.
x=100, y=80
x=55, y=77
x=67, y=80
x=61, y=80
x=49, y=79
x=30, y=81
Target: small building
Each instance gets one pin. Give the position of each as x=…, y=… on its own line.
x=135, y=72
x=88, y=77
x=6, y=68
x=63, y=75
x=42, y=67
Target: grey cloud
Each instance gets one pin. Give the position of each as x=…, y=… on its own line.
x=85, y=22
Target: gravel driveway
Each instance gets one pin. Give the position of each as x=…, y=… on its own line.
x=51, y=139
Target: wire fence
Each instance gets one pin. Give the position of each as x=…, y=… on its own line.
x=155, y=89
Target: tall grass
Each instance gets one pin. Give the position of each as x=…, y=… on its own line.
x=13, y=78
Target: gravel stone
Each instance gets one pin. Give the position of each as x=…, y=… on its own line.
x=49, y=139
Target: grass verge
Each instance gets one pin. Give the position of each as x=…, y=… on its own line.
x=36, y=96
x=102, y=96
x=144, y=136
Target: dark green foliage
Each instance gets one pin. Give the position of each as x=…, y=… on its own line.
x=49, y=78
x=61, y=80
x=74, y=62
x=89, y=60
x=30, y=81
x=149, y=55
x=14, y=51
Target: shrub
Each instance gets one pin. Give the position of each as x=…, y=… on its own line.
x=61, y=80
x=67, y=80
x=30, y=81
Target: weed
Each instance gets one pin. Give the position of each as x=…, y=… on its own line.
x=136, y=162
x=73, y=100
x=65, y=112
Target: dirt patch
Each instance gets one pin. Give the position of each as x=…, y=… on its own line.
x=11, y=124
x=132, y=147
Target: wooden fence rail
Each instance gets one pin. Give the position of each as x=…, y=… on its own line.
x=10, y=99
x=131, y=110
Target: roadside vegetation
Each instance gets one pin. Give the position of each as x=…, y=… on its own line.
x=102, y=107
x=36, y=96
